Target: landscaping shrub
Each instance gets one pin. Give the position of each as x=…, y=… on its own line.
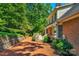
x=62, y=46
x=47, y=39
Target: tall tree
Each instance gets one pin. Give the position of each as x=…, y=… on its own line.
x=25, y=17
x=37, y=16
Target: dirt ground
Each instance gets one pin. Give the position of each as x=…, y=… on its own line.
x=27, y=47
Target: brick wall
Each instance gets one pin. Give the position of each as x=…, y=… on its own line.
x=71, y=31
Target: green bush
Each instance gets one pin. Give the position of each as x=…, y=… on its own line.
x=62, y=46
x=47, y=39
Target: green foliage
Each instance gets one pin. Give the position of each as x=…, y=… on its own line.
x=2, y=22
x=11, y=30
x=62, y=46
x=15, y=17
x=23, y=18
x=9, y=34
x=47, y=39
x=37, y=16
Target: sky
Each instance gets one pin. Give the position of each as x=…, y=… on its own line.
x=53, y=5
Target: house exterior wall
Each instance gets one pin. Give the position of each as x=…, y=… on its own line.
x=71, y=31
x=70, y=28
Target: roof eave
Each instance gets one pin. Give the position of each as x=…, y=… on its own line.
x=57, y=8
x=65, y=19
